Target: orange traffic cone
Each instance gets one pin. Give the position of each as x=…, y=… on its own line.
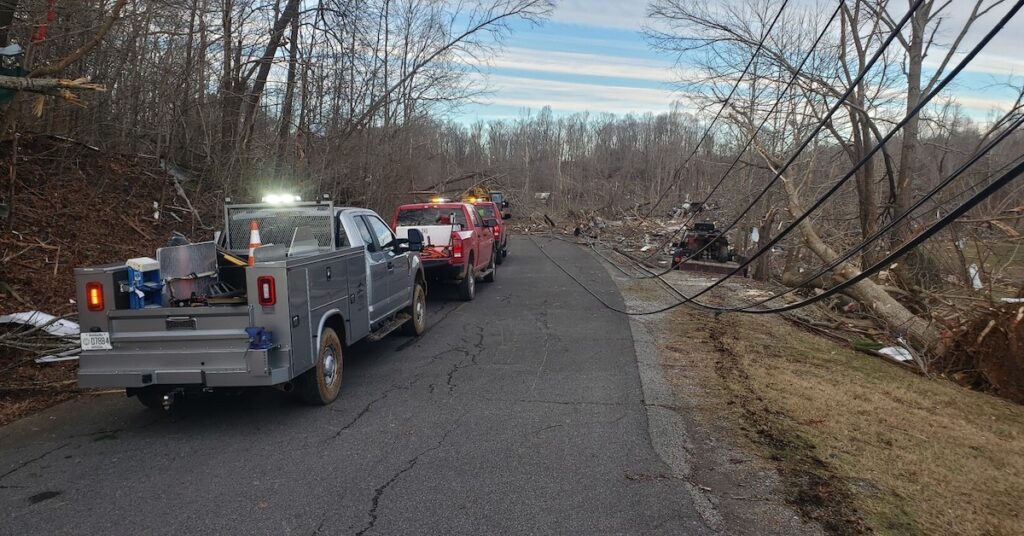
x=254, y=241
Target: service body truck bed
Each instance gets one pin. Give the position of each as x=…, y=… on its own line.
x=300, y=306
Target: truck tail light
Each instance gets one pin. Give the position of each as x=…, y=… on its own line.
x=456, y=246
x=267, y=290
x=497, y=231
x=94, y=296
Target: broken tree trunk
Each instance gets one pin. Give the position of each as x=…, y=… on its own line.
x=920, y=332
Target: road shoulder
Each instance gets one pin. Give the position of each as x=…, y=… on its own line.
x=734, y=490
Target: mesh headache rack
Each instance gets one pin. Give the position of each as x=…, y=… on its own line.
x=277, y=223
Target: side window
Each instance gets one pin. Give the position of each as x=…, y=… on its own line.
x=476, y=218
x=343, y=241
x=364, y=233
x=381, y=231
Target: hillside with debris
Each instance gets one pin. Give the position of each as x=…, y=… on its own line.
x=73, y=205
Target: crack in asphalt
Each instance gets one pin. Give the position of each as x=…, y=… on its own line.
x=366, y=409
x=469, y=358
x=430, y=328
x=557, y=402
x=28, y=462
x=409, y=465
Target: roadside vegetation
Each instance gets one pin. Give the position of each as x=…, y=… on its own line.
x=862, y=444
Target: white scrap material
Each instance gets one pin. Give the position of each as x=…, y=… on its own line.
x=58, y=327
x=143, y=264
x=1013, y=300
x=755, y=235
x=646, y=248
x=897, y=353
x=11, y=50
x=69, y=355
x=975, y=274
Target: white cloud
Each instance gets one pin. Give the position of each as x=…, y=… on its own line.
x=574, y=63
x=577, y=96
x=625, y=14
x=982, y=63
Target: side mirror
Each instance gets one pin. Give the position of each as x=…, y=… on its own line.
x=505, y=204
x=506, y=216
x=490, y=222
x=415, y=240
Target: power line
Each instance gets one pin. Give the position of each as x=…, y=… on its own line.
x=1009, y=176
x=821, y=124
x=752, y=137
x=922, y=236
x=874, y=237
x=885, y=139
x=725, y=104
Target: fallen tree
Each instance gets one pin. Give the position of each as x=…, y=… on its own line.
x=61, y=88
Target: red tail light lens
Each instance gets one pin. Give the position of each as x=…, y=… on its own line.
x=456, y=246
x=497, y=231
x=94, y=296
x=267, y=290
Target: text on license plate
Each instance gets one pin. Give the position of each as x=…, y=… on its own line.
x=96, y=341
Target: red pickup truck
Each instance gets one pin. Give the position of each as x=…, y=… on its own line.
x=490, y=209
x=458, y=244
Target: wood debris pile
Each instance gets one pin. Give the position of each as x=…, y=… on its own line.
x=73, y=205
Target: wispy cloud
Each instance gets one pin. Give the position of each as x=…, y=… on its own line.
x=580, y=64
x=566, y=96
x=609, y=14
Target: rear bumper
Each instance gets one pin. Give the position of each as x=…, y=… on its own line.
x=210, y=368
x=444, y=269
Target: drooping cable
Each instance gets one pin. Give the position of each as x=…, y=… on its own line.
x=725, y=104
x=922, y=236
x=750, y=140
x=925, y=100
x=963, y=168
x=1009, y=176
x=818, y=128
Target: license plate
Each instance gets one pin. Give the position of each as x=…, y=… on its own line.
x=96, y=341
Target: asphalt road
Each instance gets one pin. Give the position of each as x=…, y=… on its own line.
x=518, y=413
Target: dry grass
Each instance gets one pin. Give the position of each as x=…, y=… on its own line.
x=905, y=454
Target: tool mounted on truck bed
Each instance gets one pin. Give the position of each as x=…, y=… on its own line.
x=277, y=314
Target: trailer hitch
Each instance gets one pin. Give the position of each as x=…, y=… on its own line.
x=172, y=396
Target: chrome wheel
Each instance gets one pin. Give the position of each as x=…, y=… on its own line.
x=419, y=313
x=330, y=367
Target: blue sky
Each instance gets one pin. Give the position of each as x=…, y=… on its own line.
x=592, y=56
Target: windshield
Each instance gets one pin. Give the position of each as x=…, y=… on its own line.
x=486, y=211
x=430, y=216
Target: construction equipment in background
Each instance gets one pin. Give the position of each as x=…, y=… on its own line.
x=706, y=239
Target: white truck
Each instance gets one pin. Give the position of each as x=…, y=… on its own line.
x=326, y=277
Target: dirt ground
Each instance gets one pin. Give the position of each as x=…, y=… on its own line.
x=861, y=445
x=72, y=206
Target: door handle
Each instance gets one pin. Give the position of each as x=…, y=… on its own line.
x=328, y=273
x=391, y=265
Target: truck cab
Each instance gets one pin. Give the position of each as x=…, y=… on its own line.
x=230, y=313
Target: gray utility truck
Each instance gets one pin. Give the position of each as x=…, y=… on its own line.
x=200, y=316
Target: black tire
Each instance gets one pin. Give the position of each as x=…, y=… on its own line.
x=721, y=253
x=502, y=253
x=417, y=312
x=489, y=278
x=152, y=397
x=467, y=287
x=321, y=384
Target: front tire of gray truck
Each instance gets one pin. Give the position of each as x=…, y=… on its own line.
x=320, y=385
x=417, y=312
